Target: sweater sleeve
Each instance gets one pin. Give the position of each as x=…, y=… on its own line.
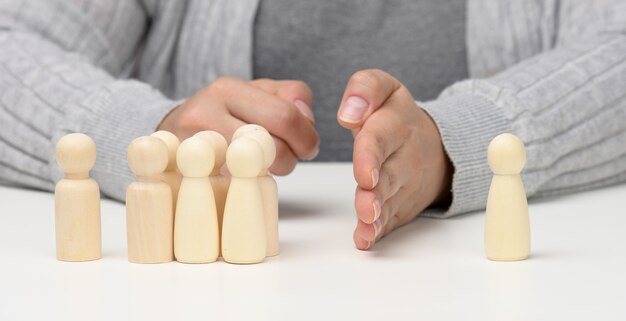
x=567, y=104
x=60, y=73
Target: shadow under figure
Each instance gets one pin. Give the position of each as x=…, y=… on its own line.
x=295, y=209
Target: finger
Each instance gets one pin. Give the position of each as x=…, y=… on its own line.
x=378, y=227
x=285, y=160
x=400, y=210
x=295, y=91
x=282, y=119
x=360, y=243
x=366, y=91
x=368, y=205
x=375, y=142
x=364, y=232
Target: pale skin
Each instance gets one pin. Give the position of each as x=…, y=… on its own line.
x=399, y=163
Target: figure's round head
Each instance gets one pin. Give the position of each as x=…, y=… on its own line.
x=243, y=130
x=195, y=157
x=172, y=142
x=506, y=155
x=244, y=157
x=263, y=137
x=147, y=156
x=76, y=153
x=219, y=144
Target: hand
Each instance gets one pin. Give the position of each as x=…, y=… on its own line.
x=400, y=165
x=282, y=107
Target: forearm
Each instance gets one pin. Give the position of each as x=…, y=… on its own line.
x=569, y=107
x=48, y=92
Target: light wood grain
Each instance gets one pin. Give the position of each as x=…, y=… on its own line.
x=507, y=225
x=149, y=212
x=196, y=233
x=269, y=190
x=77, y=201
x=244, y=237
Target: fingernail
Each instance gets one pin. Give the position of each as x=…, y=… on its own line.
x=378, y=227
x=375, y=176
x=313, y=154
x=377, y=209
x=305, y=109
x=353, y=109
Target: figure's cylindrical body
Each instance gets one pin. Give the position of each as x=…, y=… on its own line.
x=77, y=220
x=173, y=180
x=269, y=193
x=507, y=225
x=196, y=235
x=219, y=184
x=149, y=222
x=243, y=230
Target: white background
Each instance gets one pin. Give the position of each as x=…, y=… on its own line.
x=428, y=270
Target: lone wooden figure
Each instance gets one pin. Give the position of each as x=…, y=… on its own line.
x=507, y=226
x=77, y=201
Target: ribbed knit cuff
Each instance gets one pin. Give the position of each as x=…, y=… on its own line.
x=467, y=123
x=113, y=116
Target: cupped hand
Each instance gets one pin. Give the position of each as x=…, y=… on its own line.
x=399, y=162
x=282, y=107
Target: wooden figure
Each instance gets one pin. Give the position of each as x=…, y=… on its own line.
x=243, y=231
x=170, y=176
x=219, y=182
x=77, y=201
x=507, y=226
x=149, y=214
x=196, y=233
x=269, y=189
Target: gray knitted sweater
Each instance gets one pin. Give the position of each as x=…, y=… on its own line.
x=551, y=71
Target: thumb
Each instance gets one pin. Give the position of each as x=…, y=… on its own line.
x=367, y=90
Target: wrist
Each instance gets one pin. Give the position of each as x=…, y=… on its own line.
x=443, y=169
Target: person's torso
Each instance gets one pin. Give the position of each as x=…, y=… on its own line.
x=420, y=42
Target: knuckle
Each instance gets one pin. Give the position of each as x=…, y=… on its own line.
x=223, y=85
x=369, y=79
x=265, y=84
x=192, y=119
x=299, y=85
x=296, y=89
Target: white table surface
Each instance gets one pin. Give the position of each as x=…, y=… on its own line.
x=428, y=270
